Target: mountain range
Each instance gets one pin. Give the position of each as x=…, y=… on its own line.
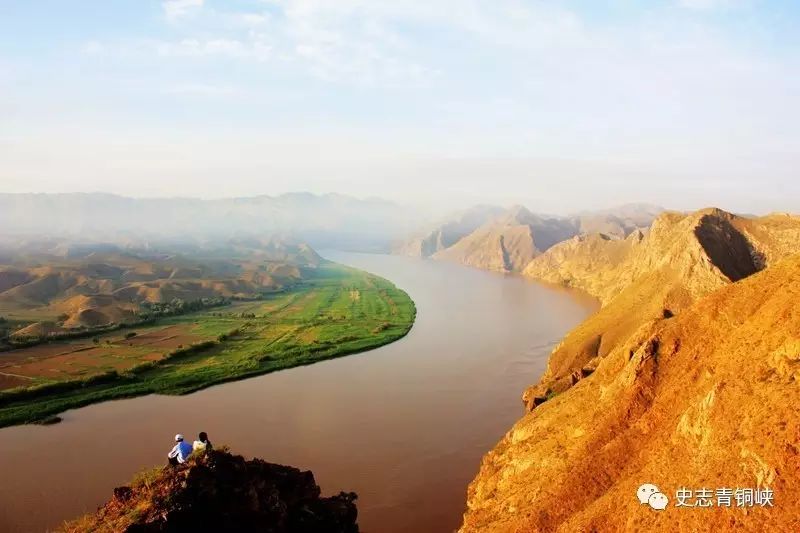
x=506, y=240
x=330, y=220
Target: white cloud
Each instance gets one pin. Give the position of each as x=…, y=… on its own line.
x=175, y=9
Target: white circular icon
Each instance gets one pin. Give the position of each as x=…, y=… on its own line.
x=650, y=495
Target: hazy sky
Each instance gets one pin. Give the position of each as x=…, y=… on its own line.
x=558, y=105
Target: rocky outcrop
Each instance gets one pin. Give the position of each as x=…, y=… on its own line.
x=702, y=399
x=223, y=492
x=651, y=275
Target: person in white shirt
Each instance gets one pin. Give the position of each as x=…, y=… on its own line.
x=180, y=452
x=202, y=443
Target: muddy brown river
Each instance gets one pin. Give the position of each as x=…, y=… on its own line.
x=404, y=425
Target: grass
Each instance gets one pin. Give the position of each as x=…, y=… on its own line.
x=334, y=312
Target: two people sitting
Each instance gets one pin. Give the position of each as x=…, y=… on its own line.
x=182, y=450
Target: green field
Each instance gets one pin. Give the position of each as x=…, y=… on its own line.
x=334, y=311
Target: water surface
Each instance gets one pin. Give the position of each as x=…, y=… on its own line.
x=404, y=425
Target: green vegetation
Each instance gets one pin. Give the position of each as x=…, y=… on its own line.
x=178, y=307
x=335, y=311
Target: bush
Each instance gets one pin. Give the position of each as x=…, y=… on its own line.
x=130, y=335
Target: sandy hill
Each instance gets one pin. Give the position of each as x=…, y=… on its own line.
x=649, y=276
x=110, y=287
x=704, y=399
x=223, y=492
x=508, y=242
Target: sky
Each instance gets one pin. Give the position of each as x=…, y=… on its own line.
x=557, y=105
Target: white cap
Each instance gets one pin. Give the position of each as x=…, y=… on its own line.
x=178, y=437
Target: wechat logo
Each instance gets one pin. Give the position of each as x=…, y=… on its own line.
x=650, y=495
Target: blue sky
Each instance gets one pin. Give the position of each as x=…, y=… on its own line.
x=559, y=105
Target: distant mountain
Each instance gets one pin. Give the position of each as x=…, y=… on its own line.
x=507, y=243
x=506, y=240
x=329, y=220
x=617, y=222
x=447, y=232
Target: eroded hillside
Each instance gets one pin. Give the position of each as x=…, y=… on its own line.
x=506, y=240
x=650, y=276
x=686, y=378
x=51, y=290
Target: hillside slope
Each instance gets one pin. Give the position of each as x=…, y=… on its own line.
x=223, y=492
x=448, y=232
x=648, y=277
x=508, y=242
x=48, y=283
x=705, y=399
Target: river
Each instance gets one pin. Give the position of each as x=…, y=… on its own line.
x=404, y=425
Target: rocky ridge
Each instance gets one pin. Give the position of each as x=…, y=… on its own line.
x=687, y=376
x=651, y=275
x=506, y=240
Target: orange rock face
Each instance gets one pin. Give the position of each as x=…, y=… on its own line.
x=647, y=277
x=704, y=397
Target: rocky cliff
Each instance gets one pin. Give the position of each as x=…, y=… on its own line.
x=652, y=275
x=686, y=378
x=222, y=492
